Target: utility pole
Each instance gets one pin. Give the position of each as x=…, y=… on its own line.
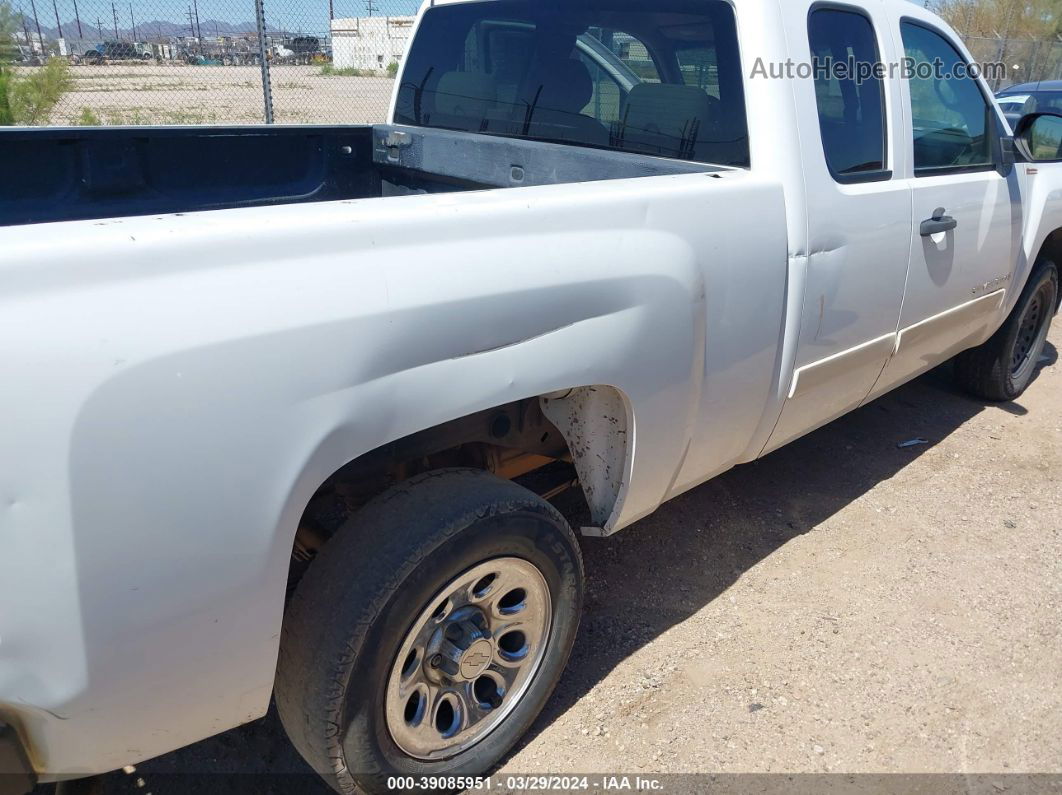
x=77, y=17
x=25, y=30
x=114, y=13
x=371, y=6
x=195, y=5
x=191, y=27
x=99, y=27
x=263, y=56
x=132, y=21
x=55, y=5
x=331, y=11
x=37, y=24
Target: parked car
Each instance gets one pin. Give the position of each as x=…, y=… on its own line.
x=271, y=430
x=1025, y=98
x=117, y=51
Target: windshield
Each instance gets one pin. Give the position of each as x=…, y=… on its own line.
x=661, y=80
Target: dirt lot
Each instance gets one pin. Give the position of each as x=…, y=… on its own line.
x=174, y=93
x=842, y=605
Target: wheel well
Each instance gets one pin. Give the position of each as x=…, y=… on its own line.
x=515, y=441
x=1052, y=250
x=548, y=444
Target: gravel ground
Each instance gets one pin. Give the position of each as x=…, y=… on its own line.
x=842, y=605
x=174, y=93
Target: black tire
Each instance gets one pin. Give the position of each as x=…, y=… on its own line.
x=1002, y=368
x=350, y=613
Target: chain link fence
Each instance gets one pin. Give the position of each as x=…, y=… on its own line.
x=213, y=61
x=258, y=61
x=1026, y=60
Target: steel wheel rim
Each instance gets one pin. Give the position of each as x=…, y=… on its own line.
x=1032, y=333
x=468, y=659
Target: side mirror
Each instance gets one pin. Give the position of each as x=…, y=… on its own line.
x=1038, y=137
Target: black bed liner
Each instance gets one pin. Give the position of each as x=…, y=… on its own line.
x=63, y=174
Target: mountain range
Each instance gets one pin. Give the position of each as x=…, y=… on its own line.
x=153, y=30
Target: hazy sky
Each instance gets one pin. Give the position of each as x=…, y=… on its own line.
x=306, y=15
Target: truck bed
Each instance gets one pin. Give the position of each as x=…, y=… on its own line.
x=64, y=174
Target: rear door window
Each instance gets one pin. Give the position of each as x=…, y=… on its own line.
x=631, y=51
x=616, y=62
x=699, y=68
x=849, y=95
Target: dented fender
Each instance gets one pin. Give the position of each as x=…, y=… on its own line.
x=178, y=410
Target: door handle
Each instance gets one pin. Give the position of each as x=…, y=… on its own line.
x=937, y=224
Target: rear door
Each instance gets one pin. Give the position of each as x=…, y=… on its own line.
x=858, y=207
x=967, y=214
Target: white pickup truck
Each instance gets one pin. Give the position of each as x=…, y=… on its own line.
x=284, y=407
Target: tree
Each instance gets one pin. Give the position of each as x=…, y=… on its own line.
x=27, y=98
x=8, y=26
x=1013, y=32
x=1036, y=19
x=7, y=52
x=32, y=97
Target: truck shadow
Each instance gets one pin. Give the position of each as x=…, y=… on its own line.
x=699, y=544
x=685, y=556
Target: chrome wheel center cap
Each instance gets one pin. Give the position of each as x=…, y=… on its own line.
x=468, y=659
x=476, y=659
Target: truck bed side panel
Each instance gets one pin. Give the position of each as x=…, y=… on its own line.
x=177, y=409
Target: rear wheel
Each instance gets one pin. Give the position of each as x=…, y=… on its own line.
x=429, y=632
x=1002, y=368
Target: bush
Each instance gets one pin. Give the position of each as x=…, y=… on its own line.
x=29, y=99
x=328, y=70
x=6, y=116
x=88, y=118
x=392, y=69
x=7, y=55
x=8, y=27
x=32, y=97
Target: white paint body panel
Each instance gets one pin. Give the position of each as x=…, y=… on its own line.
x=169, y=414
x=175, y=418
x=855, y=254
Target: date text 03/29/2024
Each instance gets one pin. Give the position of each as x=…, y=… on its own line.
x=616, y=783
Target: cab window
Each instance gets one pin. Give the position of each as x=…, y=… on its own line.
x=951, y=119
x=850, y=101
x=661, y=79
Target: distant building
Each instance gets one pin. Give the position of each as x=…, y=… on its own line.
x=30, y=43
x=369, y=42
